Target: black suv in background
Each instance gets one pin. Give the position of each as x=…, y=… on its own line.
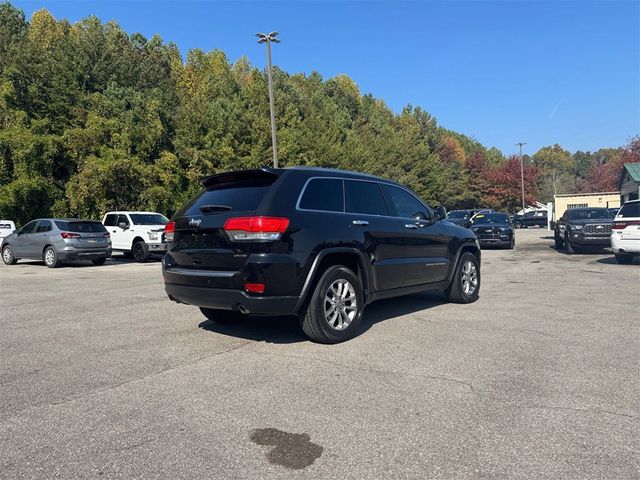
x=583, y=227
x=314, y=242
x=535, y=218
x=494, y=229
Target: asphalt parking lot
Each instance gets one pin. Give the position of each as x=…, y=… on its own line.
x=103, y=377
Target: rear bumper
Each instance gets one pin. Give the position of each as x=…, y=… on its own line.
x=225, y=299
x=71, y=253
x=624, y=245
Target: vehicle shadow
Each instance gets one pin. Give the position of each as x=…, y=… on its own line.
x=286, y=329
x=583, y=251
x=613, y=261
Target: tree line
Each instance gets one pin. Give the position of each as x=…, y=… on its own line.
x=93, y=119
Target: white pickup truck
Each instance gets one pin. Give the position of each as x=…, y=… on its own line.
x=136, y=234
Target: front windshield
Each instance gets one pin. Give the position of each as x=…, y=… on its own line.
x=590, y=213
x=492, y=218
x=148, y=219
x=458, y=214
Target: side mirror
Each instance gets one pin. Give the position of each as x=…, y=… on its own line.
x=123, y=225
x=441, y=212
x=467, y=224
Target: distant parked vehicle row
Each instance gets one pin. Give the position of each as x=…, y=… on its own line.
x=464, y=218
x=7, y=227
x=54, y=240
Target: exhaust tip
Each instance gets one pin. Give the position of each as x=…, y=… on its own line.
x=242, y=309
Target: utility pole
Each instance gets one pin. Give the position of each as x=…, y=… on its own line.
x=520, y=144
x=268, y=39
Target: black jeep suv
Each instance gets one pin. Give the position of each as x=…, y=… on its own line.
x=314, y=242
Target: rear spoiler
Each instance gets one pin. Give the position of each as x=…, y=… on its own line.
x=228, y=177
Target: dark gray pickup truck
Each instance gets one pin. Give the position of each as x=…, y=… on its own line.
x=583, y=227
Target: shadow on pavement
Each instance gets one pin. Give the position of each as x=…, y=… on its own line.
x=286, y=329
x=612, y=261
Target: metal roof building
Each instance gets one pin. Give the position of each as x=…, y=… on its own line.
x=629, y=182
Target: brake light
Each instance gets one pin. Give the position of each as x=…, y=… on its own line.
x=169, y=231
x=621, y=225
x=69, y=235
x=246, y=229
x=254, y=287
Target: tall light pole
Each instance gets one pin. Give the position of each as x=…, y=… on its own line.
x=520, y=144
x=268, y=39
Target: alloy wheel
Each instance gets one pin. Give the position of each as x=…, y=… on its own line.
x=469, y=278
x=49, y=256
x=7, y=255
x=340, y=305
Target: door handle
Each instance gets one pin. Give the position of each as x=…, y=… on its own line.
x=361, y=223
x=410, y=225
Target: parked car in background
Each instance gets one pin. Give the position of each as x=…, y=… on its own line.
x=7, y=227
x=534, y=218
x=582, y=227
x=55, y=240
x=461, y=218
x=625, y=236
x=137, y=234
x=494, y=229
x=318, y=243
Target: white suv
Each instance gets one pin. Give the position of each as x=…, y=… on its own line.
x=625, y=232
x=137, y=234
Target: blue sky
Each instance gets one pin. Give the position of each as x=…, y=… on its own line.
x=501, y=72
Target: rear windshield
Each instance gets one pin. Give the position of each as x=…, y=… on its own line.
x=241, y=194
x=80, y=227
x=492, y=218
x=588, y=214
x=630, y=210
x=148, y=219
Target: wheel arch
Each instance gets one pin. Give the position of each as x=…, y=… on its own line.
x=463, y=248
x=351, y=258
x=136, y=240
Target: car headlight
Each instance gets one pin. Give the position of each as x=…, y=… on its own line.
x=576, y=227
x=154, y=235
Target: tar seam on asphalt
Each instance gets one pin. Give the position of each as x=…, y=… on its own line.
x=291, y=450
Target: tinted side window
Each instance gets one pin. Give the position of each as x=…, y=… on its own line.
x=364, y=197
x=407, y=206
x=122, y=219
x=44, y=226
x=110, y=220
x=323, y=194
x=29, y=227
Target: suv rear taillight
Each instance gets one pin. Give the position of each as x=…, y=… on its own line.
x=621, y=225
x=69, y=235
x=169, y=230
x=251, y=229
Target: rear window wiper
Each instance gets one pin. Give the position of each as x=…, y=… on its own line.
x=214, y=208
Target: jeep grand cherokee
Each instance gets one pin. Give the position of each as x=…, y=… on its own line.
x=318, y=243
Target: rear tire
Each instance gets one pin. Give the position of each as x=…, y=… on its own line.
x=624, y=259
x=50, y=258
x=7, y=255
x=222, y=317
x=512, y=245
x=333, y=313
x=99, y=261
x=140, y=252
x=465, y=285
x=517, y=224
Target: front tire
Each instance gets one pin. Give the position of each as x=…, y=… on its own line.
x=99, y=261
x=518, y=224
x=465, y=285
x=140, y=252
x=568, y=246
x=559, y=243
x=50, y=258
x=334, y=311
x=7, y=255
x=222, y=317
